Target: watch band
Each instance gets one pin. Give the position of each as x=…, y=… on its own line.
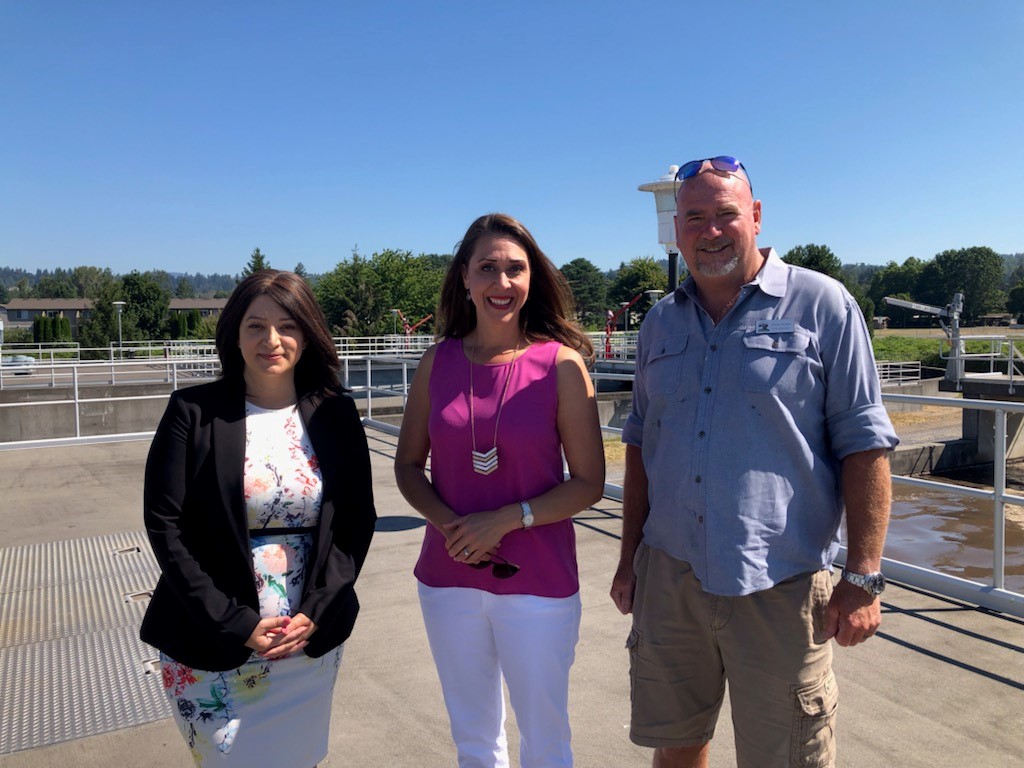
x=872, y=583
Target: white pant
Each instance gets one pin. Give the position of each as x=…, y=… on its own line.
x=476, y=638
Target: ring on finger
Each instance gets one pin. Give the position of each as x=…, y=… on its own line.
x=465, y=552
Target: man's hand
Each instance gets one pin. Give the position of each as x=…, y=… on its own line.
x=623, y=585
x=852, y=615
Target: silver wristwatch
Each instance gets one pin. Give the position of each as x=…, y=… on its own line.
x=872, y=583
x=527, y=514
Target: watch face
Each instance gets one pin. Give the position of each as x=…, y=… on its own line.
x=875, y=584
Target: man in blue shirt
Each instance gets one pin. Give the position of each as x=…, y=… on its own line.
x=757, y=422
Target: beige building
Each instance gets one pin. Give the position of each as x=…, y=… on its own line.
x=19, y=313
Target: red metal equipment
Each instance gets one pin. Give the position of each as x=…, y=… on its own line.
x=406, y=326
x=613, y=318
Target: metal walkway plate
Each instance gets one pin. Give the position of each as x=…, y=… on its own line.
x=71, y=663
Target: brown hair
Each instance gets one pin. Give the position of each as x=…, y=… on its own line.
x=318, y=367
x=548, y=311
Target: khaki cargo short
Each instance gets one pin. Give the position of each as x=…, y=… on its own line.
x=685, y=644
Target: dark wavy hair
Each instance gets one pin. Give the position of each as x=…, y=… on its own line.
x=317, y=370
x=548, y=311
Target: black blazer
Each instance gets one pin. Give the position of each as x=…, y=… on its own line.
x=205, y=605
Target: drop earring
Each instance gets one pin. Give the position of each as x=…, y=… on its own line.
x=468, y=296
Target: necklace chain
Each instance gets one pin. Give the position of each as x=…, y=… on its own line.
x=485, y=462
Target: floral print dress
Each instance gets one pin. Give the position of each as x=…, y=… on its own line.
x=266, y=712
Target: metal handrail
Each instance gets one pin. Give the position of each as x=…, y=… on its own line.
x=993, y=596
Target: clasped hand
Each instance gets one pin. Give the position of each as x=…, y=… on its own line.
x=281, y=636
x=478, y=534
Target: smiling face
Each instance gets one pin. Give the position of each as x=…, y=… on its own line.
x=270, y=339
x=717, y=223
x=497, y=277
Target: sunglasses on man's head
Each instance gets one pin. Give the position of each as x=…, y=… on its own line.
x=502, y=570
x=721, y=163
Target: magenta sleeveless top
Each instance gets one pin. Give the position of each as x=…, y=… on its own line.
x=529, y=463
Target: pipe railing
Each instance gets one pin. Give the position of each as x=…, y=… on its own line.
x=994, y=596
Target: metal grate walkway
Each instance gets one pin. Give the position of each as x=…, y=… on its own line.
x=71, y=663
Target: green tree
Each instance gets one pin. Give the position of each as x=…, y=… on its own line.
x=633, y=278
x=300, y=270
x=90, y=281
x=257, y=261
x=17, y=336
x=817, y=257
x=57, y=285
x=977, y=272
x=145, y=311
x=100, y=329
x=183, y=289
x=4, y=295
x=1015, y=300
x=896, y=280
x=589, y=290
x=359, y=294
x=207, y=328
x=162, y=279
x=45, y=330
x=22, y=289
x=820, y=258
x=349, y=288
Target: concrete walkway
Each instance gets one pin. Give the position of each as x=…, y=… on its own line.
x=942, y=685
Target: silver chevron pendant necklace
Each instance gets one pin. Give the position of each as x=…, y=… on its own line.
x=485, y=462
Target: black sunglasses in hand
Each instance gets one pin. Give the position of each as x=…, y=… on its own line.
x=502, y=570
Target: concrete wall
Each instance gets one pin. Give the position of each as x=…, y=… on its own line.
x=43, y=420
x=924, y=388
x=47, y=417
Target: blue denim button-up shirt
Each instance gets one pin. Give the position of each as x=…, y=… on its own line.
x=743, y=426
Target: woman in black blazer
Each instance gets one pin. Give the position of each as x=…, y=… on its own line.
x=259, y=508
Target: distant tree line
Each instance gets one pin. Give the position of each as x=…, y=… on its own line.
x=85, y=283
x=371, y=295
x=991, y=284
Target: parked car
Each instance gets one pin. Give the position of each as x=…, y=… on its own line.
x=19, y=365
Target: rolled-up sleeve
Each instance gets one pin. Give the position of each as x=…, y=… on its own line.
x=856, y=418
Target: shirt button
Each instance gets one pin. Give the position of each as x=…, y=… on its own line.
x=707, y=390
x=698, y=478
x=714, y=347
x=701, y=433
x=700, y=519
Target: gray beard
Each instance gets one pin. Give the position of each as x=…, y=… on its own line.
x=717, y=269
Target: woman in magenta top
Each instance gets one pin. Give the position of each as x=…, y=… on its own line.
x=495, y=404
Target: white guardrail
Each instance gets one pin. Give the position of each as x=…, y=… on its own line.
x=387, y=376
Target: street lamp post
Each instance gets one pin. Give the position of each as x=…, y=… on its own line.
x=664, y=190
x=120, y=345
x=625, y=315
x=395, y=313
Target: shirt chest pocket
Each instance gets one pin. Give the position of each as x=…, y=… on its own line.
x=776, y=363
x=665, y=365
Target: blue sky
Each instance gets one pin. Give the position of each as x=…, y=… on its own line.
x=179, y=136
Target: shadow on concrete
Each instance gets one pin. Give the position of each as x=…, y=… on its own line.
x=398, y=523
